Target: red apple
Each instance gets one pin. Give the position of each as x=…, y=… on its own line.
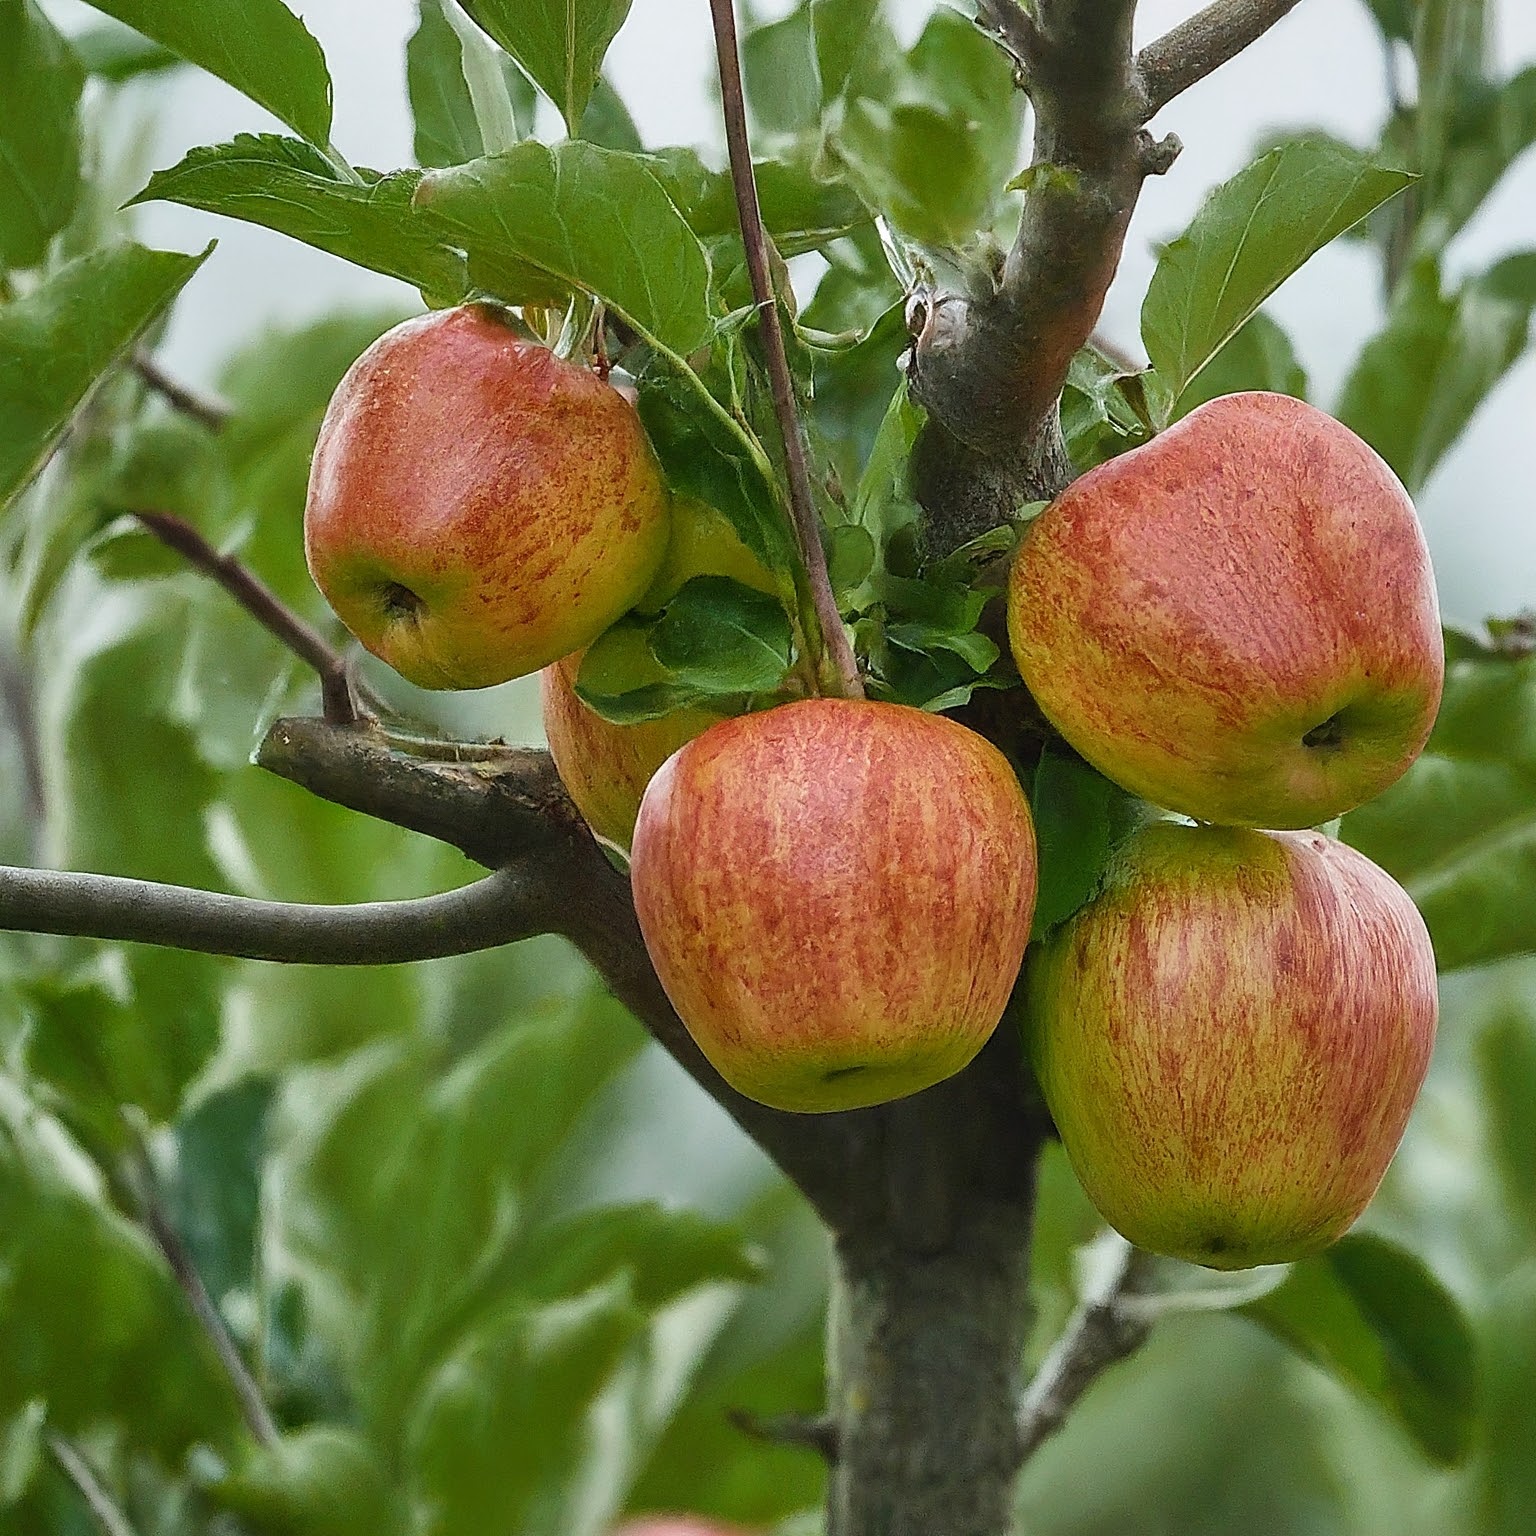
x=479, y=507
x=1230, y=1038
x=836, y=895
x=1236, y=620
x=605, y=767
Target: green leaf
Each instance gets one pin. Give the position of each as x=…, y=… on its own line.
x=934, y=151
x=285, y=185
x=408, y=1183
x=624, y=683
x=541, y=222
x=842, y=32
x=58, y=340
x=1458, y=830
x=40, y=83
x=442, y=109
x=1419, y=382
x=560, y=43
x=1490, y=128
x=1374, y=1316
x=665, y=1253
x=1260, y=356
x=258, y=46
x=1080, y=818
x=883, y=502
x=778, y=65
x=720, y=636
x=111, y=51
x=850, y=558
x=977, y=651
x=1103, y=407
x=1506, y=1079
x=91, y=1321
x=1394, y=17
x=320, y=1481
x=1252, y=233
x=607, y=122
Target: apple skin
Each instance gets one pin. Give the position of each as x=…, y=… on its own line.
x=836, y=895
x=677, y=1525
x=605, y=767
x=1237, y=620
x=1230, y=1037
x=479, y=507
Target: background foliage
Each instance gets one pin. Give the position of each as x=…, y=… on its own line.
x=437, y=1206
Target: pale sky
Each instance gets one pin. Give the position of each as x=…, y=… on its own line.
x=1320, y=67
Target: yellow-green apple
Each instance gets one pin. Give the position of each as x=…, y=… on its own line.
x=479, y=507
x=605, y=767
x=1237, y=620
x=1230, y=1037
x=836, y=895
x=702, y=543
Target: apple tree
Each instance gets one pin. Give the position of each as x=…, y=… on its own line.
x=351, y=1180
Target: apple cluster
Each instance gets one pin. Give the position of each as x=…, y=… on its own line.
x=1235, y=622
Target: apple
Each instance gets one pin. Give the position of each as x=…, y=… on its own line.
x=1230, y=1037
x=702, y=543
x=479, y=507
x=676, y=1525
x=605, y=767
x=1236, y=620
x=836, y=895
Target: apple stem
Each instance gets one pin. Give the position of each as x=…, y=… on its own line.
x=265, y=606
x=837, y=672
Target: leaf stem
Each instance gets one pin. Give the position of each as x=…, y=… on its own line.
x=74, y=1466
x=839, y=675
x=157, y=1221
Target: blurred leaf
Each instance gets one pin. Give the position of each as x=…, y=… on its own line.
x=934, y=152
x=1080, y=817
x=842, y=32
x=1458, y=830
x=408, y=1179
x=1419, y=381
x=40, y=83
x=320, y=1481
x=1252, y=233
x=258, y=46
x=778, y=65
x=560, y=43
x=722, y=636
x=286, y=185
x=541, y=222
x=1259, y=356
x=58, y=340
x=92, y=1322
x=1374, y=1315
x=1506, y=1061
x=213, y=1192
x=1394, y=17
x=665, y=1253
x=1491, y=127
x=111, y=51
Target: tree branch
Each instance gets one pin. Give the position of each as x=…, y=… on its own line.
x=1104, y=1330
x=264, y=605
x=499, y=909
x=839, y=673
x=507, y=803
x=67, y=1456
x=1200, y=46
x=212, y=414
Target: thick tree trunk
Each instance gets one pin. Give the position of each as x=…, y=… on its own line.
x=926, y=1377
